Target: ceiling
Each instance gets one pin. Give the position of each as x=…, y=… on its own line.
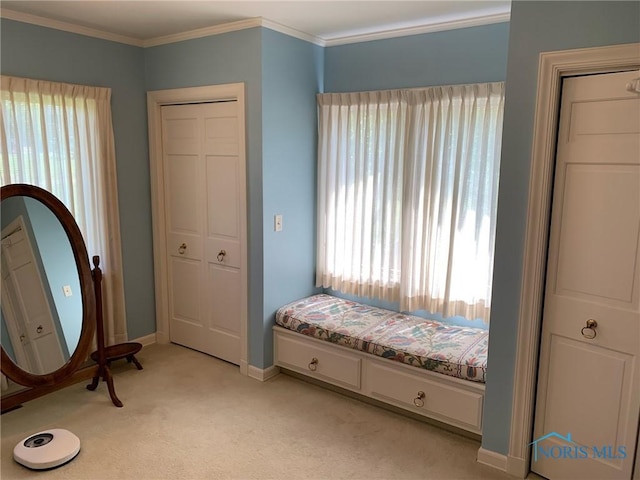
x=143, y=21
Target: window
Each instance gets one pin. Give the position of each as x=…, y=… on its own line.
x=407, y=195
x=60, y=137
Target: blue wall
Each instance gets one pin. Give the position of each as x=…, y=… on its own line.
x=292, y=72
x=227, y=58
x=44, y=53
x=282, y=76
x=535, y=27
x=468, y=55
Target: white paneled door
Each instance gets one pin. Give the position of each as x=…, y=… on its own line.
x=203, y=188
x=25, y=306
x=588, y=396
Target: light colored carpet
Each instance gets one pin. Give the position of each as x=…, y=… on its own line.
x=191, y=416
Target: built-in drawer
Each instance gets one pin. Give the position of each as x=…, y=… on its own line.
x=422, y=396
x=318, y=362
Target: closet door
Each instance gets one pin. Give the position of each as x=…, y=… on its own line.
x=203, y=187
x=588, y=397
x=30, y=320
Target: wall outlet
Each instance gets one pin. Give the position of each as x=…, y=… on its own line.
x=67, y=290
x=277, y=223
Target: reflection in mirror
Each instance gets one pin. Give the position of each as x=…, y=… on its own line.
x=41, y=314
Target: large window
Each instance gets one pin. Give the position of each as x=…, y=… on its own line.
x=407, y=195
x=59, y=137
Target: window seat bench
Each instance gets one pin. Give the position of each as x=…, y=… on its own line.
x=423, y=366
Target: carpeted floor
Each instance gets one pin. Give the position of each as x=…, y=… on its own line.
x=191, y=416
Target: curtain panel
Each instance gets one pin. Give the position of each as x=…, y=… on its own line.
x=59, y=137
x=407, y=195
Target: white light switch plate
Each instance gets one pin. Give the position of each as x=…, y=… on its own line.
x=277, y=223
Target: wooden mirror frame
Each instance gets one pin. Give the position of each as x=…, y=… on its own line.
x=38, y=385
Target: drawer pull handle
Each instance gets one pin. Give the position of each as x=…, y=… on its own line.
x=39, y=329
x=313, y=364
x=419, y=400
x=221, y=255
x=182, y=249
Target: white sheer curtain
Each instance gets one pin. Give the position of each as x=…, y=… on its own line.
x=407, y=195
x=60, y=137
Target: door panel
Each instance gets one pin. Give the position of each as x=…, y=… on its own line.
x=185, y=292
x=180, y=134
x=221, y=129
x=582, y=267
x=574, y=415
x=28, y=314
x=224, y=311
x=183, y=174
x=222, y=196
x=203, y=185
x=588, y=397
x=231, y=248
x=606, y=117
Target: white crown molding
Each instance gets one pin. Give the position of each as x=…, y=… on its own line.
x=292, y=32
x=232, y=27
x=203, y=32
x=68, y=27
x=257, y=22
x=420, y=29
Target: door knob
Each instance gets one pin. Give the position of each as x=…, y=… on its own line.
x=182, y=249
x=221, y=255
x=589, y=331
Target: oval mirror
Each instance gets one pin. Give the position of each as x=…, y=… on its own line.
x=47, y=304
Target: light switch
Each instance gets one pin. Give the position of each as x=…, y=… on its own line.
x=67, y=290
x=277, y=223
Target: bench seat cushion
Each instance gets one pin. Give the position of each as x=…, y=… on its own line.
x=448, y=349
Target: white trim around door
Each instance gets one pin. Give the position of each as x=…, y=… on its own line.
x=155, y=101
x=552, y=68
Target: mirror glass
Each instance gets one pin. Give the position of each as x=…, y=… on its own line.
x=42, y=310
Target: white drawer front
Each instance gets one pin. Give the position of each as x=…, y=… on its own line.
x=402, y=389
x=331, y=366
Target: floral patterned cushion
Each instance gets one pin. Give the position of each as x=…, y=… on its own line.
x=452, y=350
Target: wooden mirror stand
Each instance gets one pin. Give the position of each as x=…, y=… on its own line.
x=103, y=356
x=81, y=365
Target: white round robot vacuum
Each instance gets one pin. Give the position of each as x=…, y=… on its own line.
x=47, y=450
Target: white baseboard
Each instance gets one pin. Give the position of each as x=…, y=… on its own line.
x=263, y=374
x=518, y=467
x=147, y=339
x=492, y=459
x=162, y=337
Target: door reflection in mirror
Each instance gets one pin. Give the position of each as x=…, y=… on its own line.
x=41, y=301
